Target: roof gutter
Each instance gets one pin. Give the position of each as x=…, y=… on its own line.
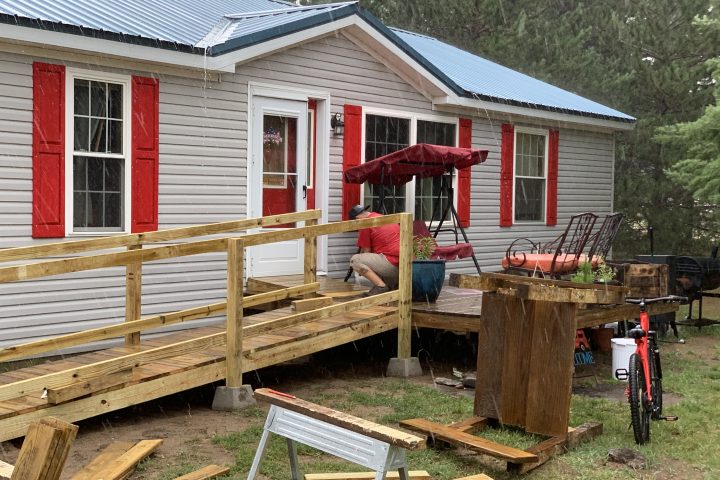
x=533, y=111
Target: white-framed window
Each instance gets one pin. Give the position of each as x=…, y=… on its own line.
x=530, y=175
x=386, y=132
x=97, y=198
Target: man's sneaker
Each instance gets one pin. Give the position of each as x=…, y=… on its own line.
x=377, y=290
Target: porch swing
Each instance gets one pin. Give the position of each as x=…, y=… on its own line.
x=424, y=161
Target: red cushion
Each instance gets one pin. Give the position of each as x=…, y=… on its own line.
x=541, y=262
x=453, y=252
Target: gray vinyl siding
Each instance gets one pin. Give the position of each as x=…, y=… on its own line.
x=203, y=151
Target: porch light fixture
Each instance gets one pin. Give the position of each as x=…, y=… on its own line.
x=337, y=124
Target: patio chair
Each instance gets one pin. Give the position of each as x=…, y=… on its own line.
x=556, y=258
x=601, y=241
x=443, y=252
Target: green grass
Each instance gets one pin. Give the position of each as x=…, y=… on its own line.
x=685, y=449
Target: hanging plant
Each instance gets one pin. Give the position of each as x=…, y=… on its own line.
x=271, y=138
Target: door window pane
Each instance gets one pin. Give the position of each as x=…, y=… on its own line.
x=280, y=178
x=385, y=135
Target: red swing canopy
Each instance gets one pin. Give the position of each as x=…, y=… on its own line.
x=421, y=160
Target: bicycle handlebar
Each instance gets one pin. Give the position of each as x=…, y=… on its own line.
x=646, y=301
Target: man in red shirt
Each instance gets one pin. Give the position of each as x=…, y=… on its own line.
x=379, y=252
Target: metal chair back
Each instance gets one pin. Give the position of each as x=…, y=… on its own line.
x=601, y=242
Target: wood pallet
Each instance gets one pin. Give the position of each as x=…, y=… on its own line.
x=518, y=461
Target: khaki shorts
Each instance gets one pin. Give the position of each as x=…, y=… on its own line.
x=378, y=264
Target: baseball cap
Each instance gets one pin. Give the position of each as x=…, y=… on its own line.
x=357, y=210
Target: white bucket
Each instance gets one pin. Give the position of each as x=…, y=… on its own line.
x=622, y=349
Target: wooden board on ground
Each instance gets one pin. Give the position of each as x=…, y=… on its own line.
x=462, y=439
x=119, y=467
x=354, y=424
x=530, y=288
x=557, y=445
x=5, y=470
x=44, y=450
x=479, y=476
x=413, y=474
x=109, y=453
x=205, y=473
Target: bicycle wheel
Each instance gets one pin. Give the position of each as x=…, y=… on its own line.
x=639, y=414
x=655, y=383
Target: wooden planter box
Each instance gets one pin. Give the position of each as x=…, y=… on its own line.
x=646, y=280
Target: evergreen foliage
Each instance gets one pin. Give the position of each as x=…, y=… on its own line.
x=647, y=58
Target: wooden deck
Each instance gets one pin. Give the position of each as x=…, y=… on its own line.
x=169, y=375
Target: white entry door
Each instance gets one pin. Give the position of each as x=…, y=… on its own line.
x=277, y=179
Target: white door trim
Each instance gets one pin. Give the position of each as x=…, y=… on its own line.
x=322, y=152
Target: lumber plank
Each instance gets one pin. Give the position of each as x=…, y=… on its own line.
x=317, y=230
x=211, y=471
x=599, y=315
x=121, y=466
x=117, y=241
x=344, y=293
x=112, y=400
x=404, y=334
x=412, y=474
x=44, y=450
x=462, y=439
x=272, y=354
x=310, y=256
x=299, y=306
x=63, y=394
x=479, y=476
x=133, y=296
x=155, y=321
x=109, y=453
x=549, y=385
x=6, y=470
x=255, y=285
x=470, y=425
x=518, y=318
x=325, y=312
x=68, y=265
x=547, y=449
x=349, y=422
x=35, y=386
x=541, y=289
x=233, y=324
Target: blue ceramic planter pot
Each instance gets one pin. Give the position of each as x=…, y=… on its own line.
x=427, y=279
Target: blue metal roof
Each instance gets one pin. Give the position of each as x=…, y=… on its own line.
x=184, y=22
x=494, y=82
x=214, y=27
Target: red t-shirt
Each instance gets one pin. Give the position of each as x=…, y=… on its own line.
x=384, y=239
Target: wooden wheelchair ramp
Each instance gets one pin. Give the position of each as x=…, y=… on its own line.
x=298, y=316
x=94, y=383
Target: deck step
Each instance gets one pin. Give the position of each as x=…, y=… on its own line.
x=462, y=439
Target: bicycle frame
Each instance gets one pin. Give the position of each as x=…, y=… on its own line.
x=643, y=345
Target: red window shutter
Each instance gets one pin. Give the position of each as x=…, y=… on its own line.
x=464, y=185
x=145, y=154
x=352, y=147
x=507, y=161
x=552, y=180
x=48, y=212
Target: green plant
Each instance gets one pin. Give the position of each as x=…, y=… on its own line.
x=604, y=272
x=584, y=274
x=423, y=247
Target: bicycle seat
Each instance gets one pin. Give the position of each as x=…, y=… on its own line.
x=637, y=332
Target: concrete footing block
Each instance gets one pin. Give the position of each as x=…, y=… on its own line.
x=404, y=367
x=229, y=399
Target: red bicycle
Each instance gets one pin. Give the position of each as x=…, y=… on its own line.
x=644, y=374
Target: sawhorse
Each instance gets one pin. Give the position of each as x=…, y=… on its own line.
x=365, y=443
